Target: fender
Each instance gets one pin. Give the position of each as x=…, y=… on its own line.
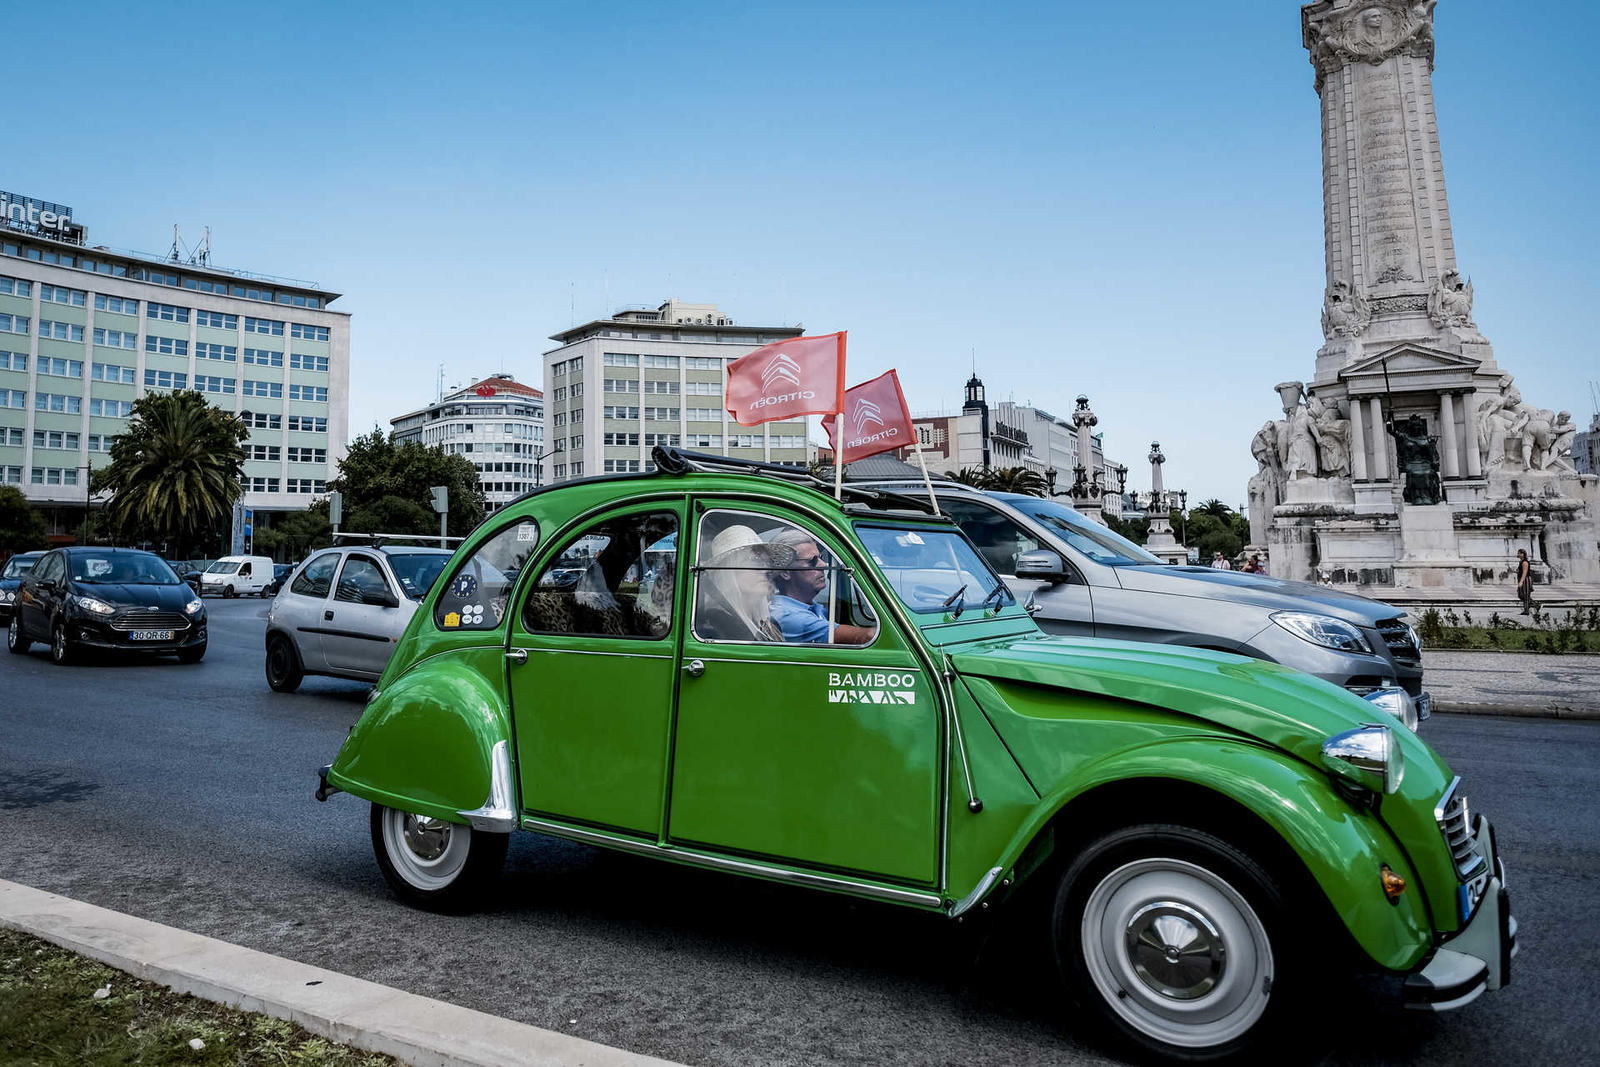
x=1341, y=848
x=437, y=742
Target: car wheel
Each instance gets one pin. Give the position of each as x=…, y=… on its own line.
x=61, y=650
x=284, y=672
x=15, y=640
x=192, y=655
x=433, y=864
x=1175, y=941
x=228, y=593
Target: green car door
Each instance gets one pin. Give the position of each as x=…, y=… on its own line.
x=592, y=662
x=810, y=737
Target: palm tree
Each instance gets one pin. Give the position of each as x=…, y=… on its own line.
x=977, y=477
x=1215, y=508
x=175, y=473
x=1017, y=480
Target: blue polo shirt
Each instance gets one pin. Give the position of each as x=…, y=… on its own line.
x=800, y=622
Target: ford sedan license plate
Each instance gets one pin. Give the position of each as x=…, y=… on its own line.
x=150, y=635
x=1472, y=893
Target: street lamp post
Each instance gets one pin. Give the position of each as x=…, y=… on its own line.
x=538, y=464
x=1183, y=513
x=88, y=498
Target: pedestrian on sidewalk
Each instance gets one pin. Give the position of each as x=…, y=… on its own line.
x=1525, y=581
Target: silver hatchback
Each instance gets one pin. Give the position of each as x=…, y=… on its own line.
x=344, y=609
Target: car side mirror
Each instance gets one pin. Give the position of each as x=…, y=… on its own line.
x=382, y=598
x=1042, y=564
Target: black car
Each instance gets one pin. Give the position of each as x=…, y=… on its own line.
x=280, y=574
x=107, y=598
x=11, y=576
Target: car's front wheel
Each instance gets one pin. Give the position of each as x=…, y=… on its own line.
x=1175, y=940
x=15, y=640
x=62, y=651
x=284, y=672
x=229, y=593
x=434, y=864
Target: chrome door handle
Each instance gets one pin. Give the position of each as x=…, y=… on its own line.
x=695, y=668
x=518, y=656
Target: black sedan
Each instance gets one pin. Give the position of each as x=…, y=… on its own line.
x=107, y=598
x=11, y=576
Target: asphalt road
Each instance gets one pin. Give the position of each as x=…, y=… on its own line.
x=183, y=795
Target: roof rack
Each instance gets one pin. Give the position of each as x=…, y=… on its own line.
x=380, y=539
x=675, y=461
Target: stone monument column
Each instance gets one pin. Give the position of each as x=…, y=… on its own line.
x=1448, y=452
x=1469, y=418
x=1380, y=443
x=1086, y=492
x=1160, y=541
x=1358, y=443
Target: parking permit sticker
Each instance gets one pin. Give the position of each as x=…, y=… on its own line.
x=464, y=586
x=452, y=621
x=913, y=539
x=98, y=568
x=527, y=531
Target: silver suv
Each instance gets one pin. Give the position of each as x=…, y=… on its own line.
x=1089, y=581
x=344, y=609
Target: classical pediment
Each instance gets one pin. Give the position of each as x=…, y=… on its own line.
x=1411, y=367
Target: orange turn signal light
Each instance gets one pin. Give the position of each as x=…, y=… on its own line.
x=1393, y=884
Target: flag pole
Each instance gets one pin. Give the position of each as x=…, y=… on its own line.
x=838, y=435
x=923, y=463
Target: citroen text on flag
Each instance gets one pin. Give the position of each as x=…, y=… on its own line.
x=875, y=419
x=800, y=376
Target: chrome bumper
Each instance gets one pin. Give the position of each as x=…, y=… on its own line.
x=1476, y=959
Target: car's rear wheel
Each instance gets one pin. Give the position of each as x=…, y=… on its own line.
x=62, y=651
x=435, y=864
x=284, y=671
x=1176, y=942
x=193, y=654
x=15, y=641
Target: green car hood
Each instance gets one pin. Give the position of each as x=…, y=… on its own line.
x=1272, y=704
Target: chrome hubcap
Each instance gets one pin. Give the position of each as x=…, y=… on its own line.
x=426, y=838
x=1175, y=950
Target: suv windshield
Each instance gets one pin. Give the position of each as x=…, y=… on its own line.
x=1087, y=536
x=933, y=570
x=121, y=568
x=17, y=566
x=417, y=571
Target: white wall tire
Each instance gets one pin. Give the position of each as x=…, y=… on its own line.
x=433, y=864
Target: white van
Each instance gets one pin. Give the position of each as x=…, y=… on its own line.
x=235, y=575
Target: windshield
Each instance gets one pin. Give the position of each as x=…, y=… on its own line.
x=122, y=568
x=17, y=566
x=1087, y=536
x=223, y=566
x=417, y=571
x=933, y=570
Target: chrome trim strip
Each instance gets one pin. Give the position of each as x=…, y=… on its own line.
x=1444, y=799
x=592, y=652
x=703, y=859
x=813, y=663
x=979, y=891
x=498, y=815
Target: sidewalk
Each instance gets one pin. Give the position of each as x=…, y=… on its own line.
x=348, y=1010
x=1513, y=683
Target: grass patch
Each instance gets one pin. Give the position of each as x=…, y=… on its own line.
x=1574, y=630
x=49, y=1016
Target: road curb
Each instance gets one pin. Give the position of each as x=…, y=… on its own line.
x=349, y=1010
x=1520, y=711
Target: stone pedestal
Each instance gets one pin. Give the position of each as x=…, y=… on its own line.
x=1429, y=555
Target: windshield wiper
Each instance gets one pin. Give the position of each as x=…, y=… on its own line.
x=950, y=601
x=999, y=601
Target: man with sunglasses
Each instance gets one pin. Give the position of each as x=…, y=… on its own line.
x=795, y=610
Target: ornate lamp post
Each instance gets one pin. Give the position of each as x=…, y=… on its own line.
x=1183, y=514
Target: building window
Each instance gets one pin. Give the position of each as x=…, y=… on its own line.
x=15, y=324
x=273, y=390
x=620, y=411
x=217, y=320
x=662, y=362
x=15, y=286
x=622, y=385
x=13, y=475
x=621, y=359
x=315, y=393
x=703, y=414
x=55, y=294
x=165, y=379
x=71, y=405
x=271, y=453
x=668, y=388
x=225, y=353
x=308, y=333
x=622, y=439
x=13, y=398
x=307, y=455
x=264, y=485
x=661, y=414
x=308, y=424
x=116, y=338
x=621, y=466
x=11, y=436
x=702, y=363
x=61, y=368
x=300, y=362
x=100, y=442
x=701, y=388
x=13, y=361
x=260, y=357
x=210, y=383
x=166, y=346
x=55, y=476
x=57, y=439
x=168, y=312
x=260, y=420
x=669, y=439
x=118, y=304
x=702, y=440
x=269, y=326
x=744, y=440
x=307, y=485
x=111, y=409
x=60, y=331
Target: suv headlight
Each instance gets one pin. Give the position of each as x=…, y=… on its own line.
x=1396, y=702
x=89, y=603
x=1366, y=757
x=193, y=606
x=1324, y=630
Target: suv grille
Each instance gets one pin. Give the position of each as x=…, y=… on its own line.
x=1455, y=823
x=141, y=619
x=1401, y=641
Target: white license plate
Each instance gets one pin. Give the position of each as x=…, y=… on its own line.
x=150, y=635
x=1472, y=892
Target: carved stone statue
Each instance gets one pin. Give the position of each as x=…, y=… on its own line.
x=1558, y=454
x=1299, y=436
x=1266, y=485
x=1500, y=424
x=1372, y=33
x=1450, y=303
x=1417, y=455
x=1345, y=313
x=1334, y=439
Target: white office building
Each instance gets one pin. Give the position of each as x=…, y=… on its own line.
x=497, y=423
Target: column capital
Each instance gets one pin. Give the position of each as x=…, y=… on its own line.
x=1338, y=32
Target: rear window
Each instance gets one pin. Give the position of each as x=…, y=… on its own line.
x=417, y=571
x=476, y=596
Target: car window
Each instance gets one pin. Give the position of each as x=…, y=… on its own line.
x=121, y=568
x=475, y=597
x=50, y=568
x=1097, y=542
x=361, y=581
x=933, y=570
x=416, y=571
x=317, y=577
x=612, y=580
x=763, y=579
x=17, y=566
x=223, y=567
x=998, y=539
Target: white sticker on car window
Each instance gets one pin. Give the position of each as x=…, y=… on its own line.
x=99, y=567
x=527, y=532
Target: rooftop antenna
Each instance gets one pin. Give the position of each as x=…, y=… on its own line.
x=572, y=303
x=176, y=244
x=202, y=255
x=441, y=385
x=1594, y=396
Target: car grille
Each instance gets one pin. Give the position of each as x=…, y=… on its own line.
x=149, y=620
x=1402, y=643
x=1455, y=823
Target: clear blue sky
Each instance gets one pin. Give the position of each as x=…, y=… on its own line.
x=1116, y=199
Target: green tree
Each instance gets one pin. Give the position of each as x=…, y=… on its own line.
x=1135, y=530
x=977, y=477
x=175, y=472
x=383, y=482
x=296, y=534
x=22, y=529
x=1016, y=480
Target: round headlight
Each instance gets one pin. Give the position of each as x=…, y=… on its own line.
x=1367, y=757
x=1396, y=702
x=1324, y=630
